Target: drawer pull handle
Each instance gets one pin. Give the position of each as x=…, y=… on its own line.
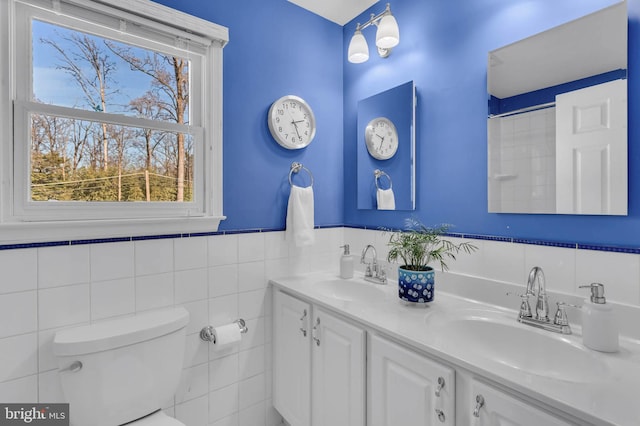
x=314, y=333
x=302, y=323
x=440, y=386
x=479, y=405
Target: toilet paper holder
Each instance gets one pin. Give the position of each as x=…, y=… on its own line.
x=208, y=335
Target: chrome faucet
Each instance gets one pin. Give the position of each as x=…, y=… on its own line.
x=536, y=276
x=374, y=273
x=536, y=287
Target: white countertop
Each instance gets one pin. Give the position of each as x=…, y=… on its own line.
x=607, y=396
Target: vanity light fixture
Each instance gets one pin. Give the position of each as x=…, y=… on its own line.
x=387, y=37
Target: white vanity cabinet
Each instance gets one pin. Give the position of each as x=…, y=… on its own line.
x=490, y=406
x=292, y=359
x=338, y=363
x=338, y=371
x=318, y=365
x=407, y=388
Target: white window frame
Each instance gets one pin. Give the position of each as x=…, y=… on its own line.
x=139, y=22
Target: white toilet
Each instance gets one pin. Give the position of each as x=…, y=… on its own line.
x=123, y=370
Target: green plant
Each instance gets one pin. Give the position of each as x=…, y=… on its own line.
x=418, y=245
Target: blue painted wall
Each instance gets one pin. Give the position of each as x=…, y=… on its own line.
x=276, y=49
x=548, y=94
x=444, y=47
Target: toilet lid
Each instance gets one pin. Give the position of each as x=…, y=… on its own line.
x=158, y=418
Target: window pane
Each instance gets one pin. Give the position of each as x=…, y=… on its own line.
x=80, y=70
x=79, y=160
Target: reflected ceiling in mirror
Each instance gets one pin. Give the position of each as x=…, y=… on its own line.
x=557, y=127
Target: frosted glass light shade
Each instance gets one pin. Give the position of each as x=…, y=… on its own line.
x=388, y=34
x=358, y=49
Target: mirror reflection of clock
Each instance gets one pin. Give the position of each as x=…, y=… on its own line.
x=381, y=138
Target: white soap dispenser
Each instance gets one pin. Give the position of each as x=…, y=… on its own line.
x=599, y=323
x=346, y=263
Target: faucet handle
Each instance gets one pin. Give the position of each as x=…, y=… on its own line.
x=525, y=308
x=561, y=319
x=382, y=274
x=367, y=270
x=561, y=315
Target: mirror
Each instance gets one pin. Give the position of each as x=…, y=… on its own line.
x=557, y=126
x=386, y=150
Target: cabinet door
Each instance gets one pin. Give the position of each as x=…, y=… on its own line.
x=338, y=391
x=291, y=359
x=492, y=407
x=404, y=387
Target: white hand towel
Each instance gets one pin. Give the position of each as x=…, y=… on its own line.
x=386, y=199
x=300, y=216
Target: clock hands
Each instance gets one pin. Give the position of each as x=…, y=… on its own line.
x=295, y=125
x=381, y=140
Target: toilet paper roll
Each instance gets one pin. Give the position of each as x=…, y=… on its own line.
x=227, y=334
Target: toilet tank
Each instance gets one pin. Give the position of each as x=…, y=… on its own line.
x=119, y=370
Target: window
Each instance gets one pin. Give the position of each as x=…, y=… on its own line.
x=115, y=113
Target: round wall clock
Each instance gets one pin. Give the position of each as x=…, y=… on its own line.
x=291, y=122
x=381, y=138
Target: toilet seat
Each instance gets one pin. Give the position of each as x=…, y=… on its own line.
x=159, y=418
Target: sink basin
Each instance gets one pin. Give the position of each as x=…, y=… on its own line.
x=498, y=337
x=350, y=290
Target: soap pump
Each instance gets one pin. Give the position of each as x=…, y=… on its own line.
x=599, y=323
x=346, y=263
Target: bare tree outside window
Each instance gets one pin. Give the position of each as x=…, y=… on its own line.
x=84, y=160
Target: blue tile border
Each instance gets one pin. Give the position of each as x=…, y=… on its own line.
x=546, y=243
x=613, y=249
x=34, y=245
x=487, y=238
x=156, y=237
x=100, y=241
x=202, y=234
x=559, y=244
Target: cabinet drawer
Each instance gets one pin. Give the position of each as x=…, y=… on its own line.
x=407, y=388
x=493, y=407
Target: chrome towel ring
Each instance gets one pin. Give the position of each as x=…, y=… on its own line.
x=379, y=174
x=296, y=168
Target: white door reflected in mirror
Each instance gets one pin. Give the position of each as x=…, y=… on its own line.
x=591, y=150
x=557, y=126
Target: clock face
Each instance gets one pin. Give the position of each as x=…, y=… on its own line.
x=291, y=122
x=381, y=138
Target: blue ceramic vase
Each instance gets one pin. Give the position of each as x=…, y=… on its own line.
x=416, y=286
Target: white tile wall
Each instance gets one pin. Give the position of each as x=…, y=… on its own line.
x=619, y=272
x=19, y=271
x=219, y=279
x=19, y=390
x=111, y=261
x=565, y=268
x=522, y=162
x=112, y=298
x=19, y=313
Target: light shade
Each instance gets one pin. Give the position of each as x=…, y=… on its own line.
x=388, y=34
x=358, y=49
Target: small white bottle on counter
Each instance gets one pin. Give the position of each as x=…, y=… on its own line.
x=599, y=323
x=346, y=263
